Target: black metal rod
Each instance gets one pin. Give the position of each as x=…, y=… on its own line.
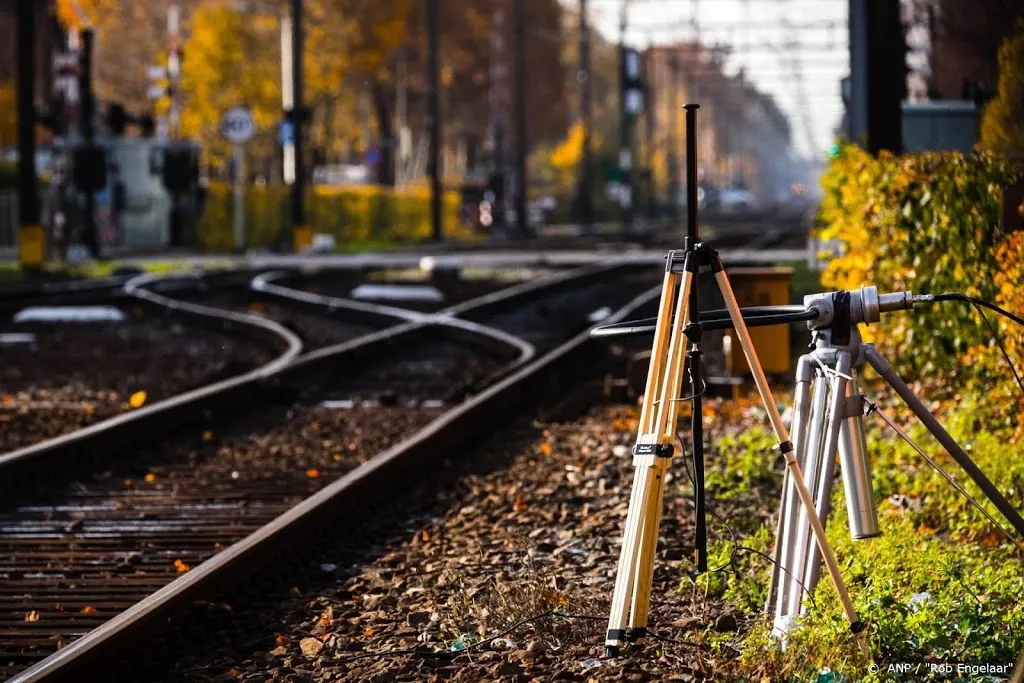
x=298, y=119
x=754, y=316
x=28, y=183
x=692, y=231
x=433, y=66
x=700, y=540
x=522, y=220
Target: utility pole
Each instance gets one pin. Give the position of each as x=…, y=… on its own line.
x=673, y=139
x=626, y=63
x=649, y=129
x=435, y=121
x=173, y=68
x=302, y=234
x=499, y=102
x=522, y=220
x=89, y=156
x=886, y=76
x=586, y=199
x=31, y=236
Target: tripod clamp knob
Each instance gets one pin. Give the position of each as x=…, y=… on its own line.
x=660, y=450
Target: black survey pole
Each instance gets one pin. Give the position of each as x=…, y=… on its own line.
x=31, y=238
x=87, y=110
x=586, y=200
x=694, y=333
x=435, y=121
x=302, y=234
x=522, y=220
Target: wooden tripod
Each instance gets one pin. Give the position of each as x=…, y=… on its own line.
x=677, y=322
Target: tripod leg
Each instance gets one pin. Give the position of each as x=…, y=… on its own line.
x=668, y=336
x=640, y=609
x=789, y=508
x=668, y=416
x=787, y=448
x=882, y=367
x=789, y=607
x=855, y=466
x=823, y=498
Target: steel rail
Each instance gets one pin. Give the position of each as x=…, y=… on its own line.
x=393, y=470
x=454, y=318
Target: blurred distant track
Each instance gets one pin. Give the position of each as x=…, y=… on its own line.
x=108, y=531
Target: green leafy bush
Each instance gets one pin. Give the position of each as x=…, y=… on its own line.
x=1002, y=127
x=929, y=223
x=351, y=214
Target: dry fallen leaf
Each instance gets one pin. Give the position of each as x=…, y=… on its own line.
x=150, y=478
x=369, y=631
x=234, y=673
x=128, y=482
x=8, y=399
x=337, y=457
x=545, y=448
x=281, y=641
x=137, y=399
x=312, y=473
x=207, y=435
x=181, y=567
x=991, y=541
x=326, y=617
x=520, y=505
x=425, y=535
x=88, y=609
x=32, y=616
x=310, y=647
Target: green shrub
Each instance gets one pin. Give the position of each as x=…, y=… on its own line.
x=351, y=214
x=1002, y=127
x=929, y=223
x=933, y=542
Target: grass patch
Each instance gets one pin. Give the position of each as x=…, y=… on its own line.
x=939, y=585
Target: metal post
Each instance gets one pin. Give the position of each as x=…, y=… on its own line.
x=586, y=205
x=239, y=212
x=173, y=68
x=886, y=77
x=31, y=236
x=85, y=115
x=673, y=138
x=625, y=127
x=435, y=121
x=522, y=220
x=302, y=234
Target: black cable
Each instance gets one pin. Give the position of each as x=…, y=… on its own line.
x=736, y=546
x=978, y=304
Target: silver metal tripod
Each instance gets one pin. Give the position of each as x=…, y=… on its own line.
x=828, y=420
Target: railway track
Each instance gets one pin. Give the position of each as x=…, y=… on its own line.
x=125, y=526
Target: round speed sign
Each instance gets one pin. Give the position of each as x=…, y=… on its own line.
x=237, y=125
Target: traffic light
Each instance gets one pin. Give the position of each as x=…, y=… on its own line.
x=632, y=80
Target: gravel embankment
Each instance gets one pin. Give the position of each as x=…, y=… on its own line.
x=74, y=374
x=535, y=527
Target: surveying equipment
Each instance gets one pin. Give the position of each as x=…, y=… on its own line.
x=832, y=368
x=658, y=417
x=826, y=421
